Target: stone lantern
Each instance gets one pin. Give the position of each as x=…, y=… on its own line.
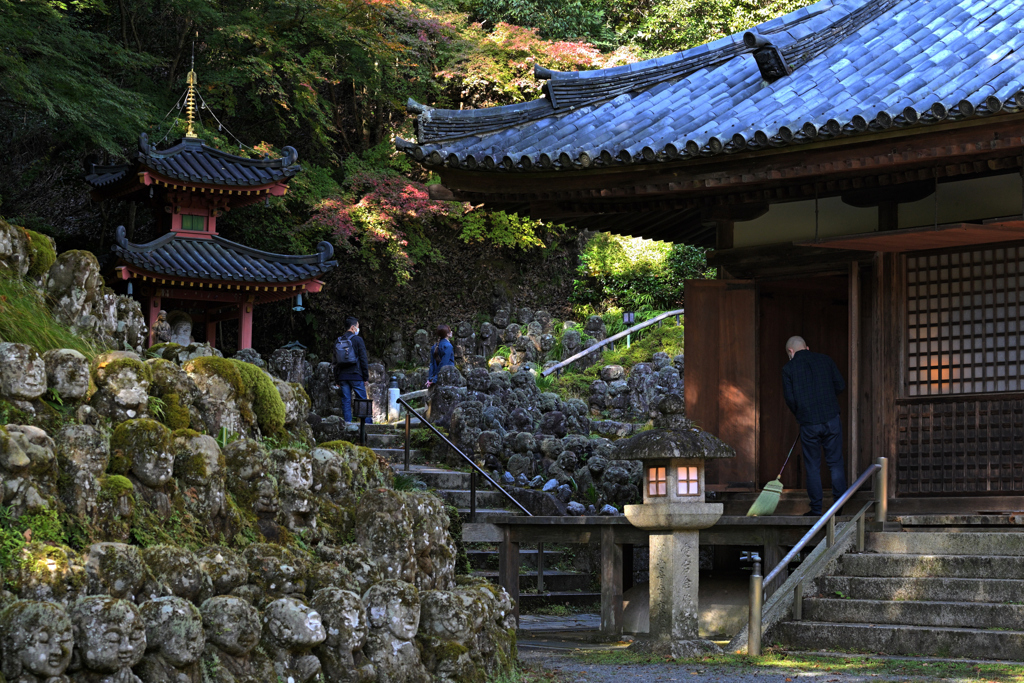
x=673, y=456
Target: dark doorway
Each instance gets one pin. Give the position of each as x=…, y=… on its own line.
x=817, y=309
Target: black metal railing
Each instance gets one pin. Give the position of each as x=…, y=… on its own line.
x=828, y=522
x=409, y=412
x=612, y=339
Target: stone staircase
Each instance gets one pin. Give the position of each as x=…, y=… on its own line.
x=561, y=586
x=947, y=594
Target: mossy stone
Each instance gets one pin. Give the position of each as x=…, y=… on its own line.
x=41, y=253
x=176, y=416
x=133, y=437
x=266, y=400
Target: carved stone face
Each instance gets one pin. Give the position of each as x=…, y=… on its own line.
x=37, y=639
x=297, y=474
x=109, y=633
x=421, y=338
x=153, y=466
x=344, y=618
x=395, y=606
x=232, y=624
x=174, y=629
x=291, y=625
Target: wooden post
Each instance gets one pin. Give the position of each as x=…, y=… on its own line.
x=627, y=567
x=154, y=314
x=724, y=233
x=508, y=567
x=611, y=583
x=772, y=555
x=211, y=334
x=245, y=325
x=852, y=461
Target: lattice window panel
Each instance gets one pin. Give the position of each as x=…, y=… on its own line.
x=964, y=322
x=962, y=447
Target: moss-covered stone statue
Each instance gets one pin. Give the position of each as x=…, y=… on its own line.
x=291, y=630
x=174, y=642
x=446, y=635
x=276, y=571
x=36, y=642
x=110, y=639
x=233, y=631
x=226, y=568
x=345, y=621
x=394, y=614
x=176, y=571
x=141, y=449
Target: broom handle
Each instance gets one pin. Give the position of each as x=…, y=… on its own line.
x=788, y=456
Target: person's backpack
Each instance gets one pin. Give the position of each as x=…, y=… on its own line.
x=344, y=352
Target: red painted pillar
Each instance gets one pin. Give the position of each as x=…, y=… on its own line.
x=211, y=334
x=245, y=326
x=154, y=315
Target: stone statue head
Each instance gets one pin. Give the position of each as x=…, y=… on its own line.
x=231, y=624
x=395, y=606
x=396, y=336
x=275, y=569
x=501, y=317
x=288, y=624
x=421, y=338
x=109, y=634
x=35, y=638
x=296, y=468
x=446, y=616
x=162, y=316
x=225, y=567
x=344, y=618
x=174, y=629
x=145, y=446
x=179, y=570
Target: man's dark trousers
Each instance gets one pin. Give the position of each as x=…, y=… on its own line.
x=827, y=437
x=357, y=388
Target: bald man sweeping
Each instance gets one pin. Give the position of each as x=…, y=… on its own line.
x=811, y=382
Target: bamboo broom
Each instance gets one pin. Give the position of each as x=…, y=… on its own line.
x=768, y=499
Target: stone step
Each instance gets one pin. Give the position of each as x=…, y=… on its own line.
x=486, y=515
x=978, y=615
x=915, y=588
x=385, y=440
x=397, y=455
x=484, y=498
x=437, y=477
x=948, y=566
x=533, y=600
x=488, y=559
x=554, y=580
x=938, y=543
x=901, y=639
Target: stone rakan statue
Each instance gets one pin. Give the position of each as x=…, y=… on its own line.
x=345, y=621
x=290, y=631
x=161, y=329
x=394, y=610
x=174, y=641
x=233, y=631
x=36, y=642
x=110, y=639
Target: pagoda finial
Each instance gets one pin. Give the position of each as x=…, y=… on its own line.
x=190, y=104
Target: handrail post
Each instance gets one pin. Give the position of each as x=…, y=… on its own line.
x=798, y=601
x=472, y=496
x=756, y=605
x=861, y=523
x=540, y=567
x=830, y=532
x=408, y=432
x=882, y=492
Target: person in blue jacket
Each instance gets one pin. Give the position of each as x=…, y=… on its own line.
x=352, y=378
x=443, y=353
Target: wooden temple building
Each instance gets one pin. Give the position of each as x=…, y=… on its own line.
x=857, y=167
x=190, y=185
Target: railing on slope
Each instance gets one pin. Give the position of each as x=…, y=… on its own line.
x=612, y=339
x=475, y=468
x=807, y=567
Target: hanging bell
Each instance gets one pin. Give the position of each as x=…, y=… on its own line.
x=298, y=304
x=129, y=289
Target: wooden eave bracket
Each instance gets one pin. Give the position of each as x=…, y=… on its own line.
x=921, y=239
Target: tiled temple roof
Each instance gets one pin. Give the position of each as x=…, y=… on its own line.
x=220, y=259
x=841, y=68
x=193, y=161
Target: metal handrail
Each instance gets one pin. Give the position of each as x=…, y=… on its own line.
x=758, y=583
x=609, y=340
x=476, y=468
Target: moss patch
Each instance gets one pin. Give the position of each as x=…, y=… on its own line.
x=132, y=436
x=113, y=487
x=101, y=369
x=176, y=416
x=41, y=253
x=266, y=400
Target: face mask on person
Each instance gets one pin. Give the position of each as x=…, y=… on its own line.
x=357, y=330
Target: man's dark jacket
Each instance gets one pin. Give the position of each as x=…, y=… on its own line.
x=360, y=370
x=810, y=383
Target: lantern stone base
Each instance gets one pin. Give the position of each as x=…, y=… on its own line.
x=674, y=566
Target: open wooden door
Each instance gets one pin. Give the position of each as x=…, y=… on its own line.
x=721, y=373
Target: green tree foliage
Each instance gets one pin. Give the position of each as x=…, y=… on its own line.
x=626, y=273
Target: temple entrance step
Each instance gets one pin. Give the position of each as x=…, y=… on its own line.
x=958, y=594
x=488, y=559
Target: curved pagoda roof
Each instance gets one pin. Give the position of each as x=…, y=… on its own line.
x=191, y=160
x=835, y=69
x=218, y=259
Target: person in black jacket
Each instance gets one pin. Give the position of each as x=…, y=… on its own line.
x=810, y=383
x=352, y=377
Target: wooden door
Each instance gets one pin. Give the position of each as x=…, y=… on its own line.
x=817, y=309
x=720, y=373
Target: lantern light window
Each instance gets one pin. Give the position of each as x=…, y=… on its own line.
x=688, y=482
x=657, y=482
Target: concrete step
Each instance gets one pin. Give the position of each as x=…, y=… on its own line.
x=554, y=580
x=488, y=559
x=484, y=498
x=485, y=515
x=978, y=615
x=529, y=601
x=901, y=639
x=947, y=566
x=916, y=588
x=385, y=440
x=397, y=455
x=937, y=543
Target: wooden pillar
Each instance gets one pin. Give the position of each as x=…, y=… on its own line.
x=772, y=555
x=611, y=582
x=887, y=347
x=211, y=333
x=627, y=566
x=853, y=384
x=724, y=233
x=245, y=325
x=154, y=315
x=508, y=567
x=888, y=216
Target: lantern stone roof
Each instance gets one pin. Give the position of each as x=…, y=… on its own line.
x=835, y=69
x=674, y=436
x=191, y=160
x=216, y=258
